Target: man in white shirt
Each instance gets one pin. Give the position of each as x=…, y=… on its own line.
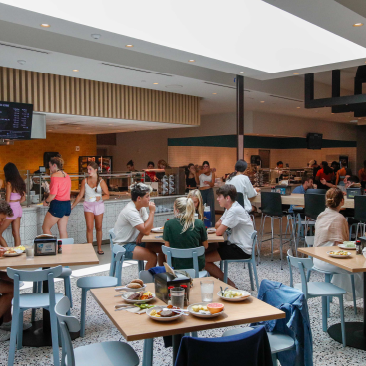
x=237, y=224
x=133, y=223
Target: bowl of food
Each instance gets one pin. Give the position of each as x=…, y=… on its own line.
x=157, y=313
x=201, y=310
x=233, y=295
x=348, y=245
x=339, y=254
x=138, y=297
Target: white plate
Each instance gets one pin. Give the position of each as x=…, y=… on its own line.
x=211, y=230
x=342, y=246
x=19, y=252
x=157, y=230
x=339, y=256
x=162, y=319
x=127, y=294
x=127, y=289
x=203, y=315
x=245, y=296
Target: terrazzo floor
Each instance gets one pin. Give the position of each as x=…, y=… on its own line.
x=99, y=328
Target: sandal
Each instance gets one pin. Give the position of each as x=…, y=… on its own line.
x=100, y=252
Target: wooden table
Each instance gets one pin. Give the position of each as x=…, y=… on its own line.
x=39, y=335
x=136, y=327
x=298, y=200
x=157, y=238
x=355, y=331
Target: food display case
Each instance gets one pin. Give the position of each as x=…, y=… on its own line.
x=104, y=163
x=169, y=181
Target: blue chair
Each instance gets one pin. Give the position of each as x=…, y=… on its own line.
x=251, y=264
x=193, y=253
x=315, y=289
x=141, y=263
x=88, y=283
x=22, y=302
x=110, y=353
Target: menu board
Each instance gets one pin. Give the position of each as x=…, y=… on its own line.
x=15, y=121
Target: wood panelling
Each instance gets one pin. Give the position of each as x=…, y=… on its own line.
x=64, y=94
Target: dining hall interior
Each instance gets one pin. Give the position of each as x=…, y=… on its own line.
x=180, y=182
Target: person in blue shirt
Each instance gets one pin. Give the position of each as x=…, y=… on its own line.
x=307, y=182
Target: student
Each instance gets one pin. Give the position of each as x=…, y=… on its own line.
x=239, y=242
x=150, y=176
x=191, y=177
x=362, y=175
x=341, y=174
x=58, y=199
x=195, y=194
x=96, y=192
x=133, y=223
x=184, y=231
x=242, y=183
x=306, y=183
x=206, y=179
x=313, y=164
x=325, y=173
x=131, y=166
x=15, y=195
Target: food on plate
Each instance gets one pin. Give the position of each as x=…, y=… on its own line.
x=232, y=294
x=197, y=308
x=144, y=306
x=215, y=307
x=141, y=296
x=349, y=244
x=134, y=296
x=339, y=252
x=140, y=282
x=21, y=247
x=11, y=251
x=134, y=285
x=164, y=313
x=167, y=313
x=155, y=314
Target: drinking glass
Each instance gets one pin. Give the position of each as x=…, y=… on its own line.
x=29, y=251
x=177, y=297
x=207, y=288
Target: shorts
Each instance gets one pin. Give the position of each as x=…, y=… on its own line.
x=231, y=251
x=130, y=247
x=60, y=209
x=96, y=208
x=17, y=210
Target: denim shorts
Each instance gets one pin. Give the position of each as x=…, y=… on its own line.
x=60, y=209
x=130, y=247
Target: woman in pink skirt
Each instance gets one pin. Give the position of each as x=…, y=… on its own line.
x=15, y=195
x=95, y=190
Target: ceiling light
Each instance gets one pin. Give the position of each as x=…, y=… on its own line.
x=75, y=70
x=44, y=25
x=110, y=124
x=22, y=62
x=156, y=83
x=96, y=36
x=262, y=101
x=129, y=45
x=191, y=60
x=242, y=72
x=214, y=93
x=296, y=73
x=358, y=24
x=61, y=121
x=298, y=107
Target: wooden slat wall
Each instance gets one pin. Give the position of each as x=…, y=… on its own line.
x=64, y=94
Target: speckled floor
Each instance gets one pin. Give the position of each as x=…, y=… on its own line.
x=99, y=328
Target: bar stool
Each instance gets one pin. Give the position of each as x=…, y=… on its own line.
x=360, y=214
x=271, y=206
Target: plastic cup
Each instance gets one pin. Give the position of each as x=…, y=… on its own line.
x=29, y=252
x=207, y=289
x=177, y=297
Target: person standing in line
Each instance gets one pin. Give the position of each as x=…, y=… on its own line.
x=206, y=179
x=362, y=175
x=131, y=166
x=15, y=195
x=196, y=196
x=96, y=192
x=325, y=173
x=341, y=174
x=58, y=199
x=313, y=164
x=191, y=178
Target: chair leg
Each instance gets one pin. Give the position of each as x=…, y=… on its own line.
x=84, y=292
x=281, y=254
x=272, y=223
x=327, y=280
x=141, y=265
x=194, y=334
x=35, y=290
x=343, y=325
x=54, y=334
x=67, y=285
x=226, y=270
x=324, y=313
x=353, y=293
x=274, y=359
x=113, y=264
x=20, y=331
x=221, y=266
x=147, y=358
x=251, y=276
x=255, y=274
x=13, y=336
x=259, y=246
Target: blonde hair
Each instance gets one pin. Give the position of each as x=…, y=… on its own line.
x=185, y=212
x=333, y=197
x=196, y=193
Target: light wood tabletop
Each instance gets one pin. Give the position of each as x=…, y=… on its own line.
x=135, y=327
x=72, y=255
x=298, y=199
x=158, y=238
x=355, y=263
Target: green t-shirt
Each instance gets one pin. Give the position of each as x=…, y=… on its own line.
x=189, y=239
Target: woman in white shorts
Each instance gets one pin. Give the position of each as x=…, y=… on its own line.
x=96, y=191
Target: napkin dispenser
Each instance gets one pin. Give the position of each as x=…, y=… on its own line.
x=165, y=280
x=283, y=190
x=45, y=244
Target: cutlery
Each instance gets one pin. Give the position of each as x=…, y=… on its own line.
x=178, y=311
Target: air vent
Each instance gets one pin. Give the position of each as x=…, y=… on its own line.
x=292, y=99
x=160, y=73
x=127, y=68
x=23, y=48
x=222, y=86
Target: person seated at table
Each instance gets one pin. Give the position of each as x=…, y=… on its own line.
x=133, y=223
x=184, y=231
x=307, y=183
x=325, y=173
x=196, y=197
x=237, y=224
x=331, y=229
x=349, y=181
x=243, y=184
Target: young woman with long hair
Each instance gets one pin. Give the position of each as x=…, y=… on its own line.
x=58, y=199
x=184, y=231
x=191, y=177
x=96, y=191
x=196, y=197
x=15, y=195
x=326, y=173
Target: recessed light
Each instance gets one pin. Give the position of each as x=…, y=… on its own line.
x=156, y=83
x=296, y=73
x=191, y=60
x=95, y=36
x=262, y=101
x=298, y=107
x=75, y=70
x=214, y=93
x=358, y=24
x=242, y=72
x=49, y=130
x=129, y=45
x=110, y=124
x=44, y=25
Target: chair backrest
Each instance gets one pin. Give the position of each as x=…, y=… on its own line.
x=316, y=191
x=240, y=199
x=271, y=203
x=68, y=323
x=112, y=236
x=301, y=264
x=67, y=241
x=118, y=257
x=193, y=253
x=314, y=205
x=360, y=212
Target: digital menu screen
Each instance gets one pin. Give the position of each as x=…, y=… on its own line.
x=15, y=121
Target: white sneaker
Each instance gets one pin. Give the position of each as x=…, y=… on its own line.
x=4, y=335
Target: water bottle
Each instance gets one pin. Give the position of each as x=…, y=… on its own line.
x=207, y=216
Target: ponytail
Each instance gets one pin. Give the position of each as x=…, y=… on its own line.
x=186, y=210
x=240, y=166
